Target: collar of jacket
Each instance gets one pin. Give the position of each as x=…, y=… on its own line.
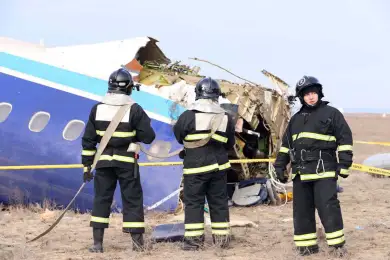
x=308, y=109
x=207, y=106
x=117, y=99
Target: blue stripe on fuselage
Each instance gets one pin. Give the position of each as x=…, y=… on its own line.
x=149, y=102
x=20, y=146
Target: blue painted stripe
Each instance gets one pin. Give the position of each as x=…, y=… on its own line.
x=150, y=102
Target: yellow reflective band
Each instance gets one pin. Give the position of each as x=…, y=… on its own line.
x=335, y=241
x=193, y=233
x=305, y=177
x=293, y=176
x=334, y=234
x=220, y=138
x=283, y=150
x=314, y=136
x=344, y=171
x=220, y=225
x=194, y=226
x=133, y=224
x=201, y=169
x=88, y=152
x=220, y=232
x=224, y=166
x=193, y=137
x=306, y=243
x=100, y=220
x=117, y=134
x=306, y=236
x=345, y=147
x=116, y=158
x=85, y=169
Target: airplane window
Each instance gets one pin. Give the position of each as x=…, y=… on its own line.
x=73, y=130
x=5, y=110
x=38, y=121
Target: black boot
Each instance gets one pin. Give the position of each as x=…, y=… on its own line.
x=338, y=251
x=193, y=243
x=98, y=234
x=138, y=242
x=222, y=241
x=308, y=250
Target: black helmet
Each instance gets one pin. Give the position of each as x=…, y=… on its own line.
x=120, y=82
x=306, y=82
x=207, y=88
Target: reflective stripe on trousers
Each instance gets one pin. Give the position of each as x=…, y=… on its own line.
x=133, y=225
x=125, y=224
x=194, y=229
x=220, y=228
x=305, y=240
x=335, y=238
x=100, y=220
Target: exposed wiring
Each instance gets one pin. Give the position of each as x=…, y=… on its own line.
x=277, y=184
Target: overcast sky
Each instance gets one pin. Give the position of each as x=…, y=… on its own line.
x=344, y=43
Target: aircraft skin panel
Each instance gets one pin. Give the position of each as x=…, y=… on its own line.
x=85, y=84
x=20, y=146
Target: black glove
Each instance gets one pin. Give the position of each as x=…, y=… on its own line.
x=88, y=176
x=280, y=175
x=182, y=154
x=338, y=172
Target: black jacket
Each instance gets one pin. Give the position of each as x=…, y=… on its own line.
x=315, y=136
x=134, y=127
x=191, y=126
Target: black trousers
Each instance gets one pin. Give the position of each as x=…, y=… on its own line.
x=197, y=187
x=105, y=181
x=320, y=194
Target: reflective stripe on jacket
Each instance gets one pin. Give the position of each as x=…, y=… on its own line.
x=194, y=125
x=317, y=136
x=134, y=127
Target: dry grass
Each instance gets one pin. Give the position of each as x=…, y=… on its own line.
x=365, y=206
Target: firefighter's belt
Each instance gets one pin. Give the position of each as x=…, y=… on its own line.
x=307, y=155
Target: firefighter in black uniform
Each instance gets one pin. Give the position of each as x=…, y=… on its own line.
x=205, y=167
x=314, y=136
x=116, y=163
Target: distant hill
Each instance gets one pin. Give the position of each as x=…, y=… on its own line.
x=297, y=106
x=367, y=110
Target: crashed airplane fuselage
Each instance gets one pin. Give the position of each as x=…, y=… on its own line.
x=261, y=118
x=47, y=94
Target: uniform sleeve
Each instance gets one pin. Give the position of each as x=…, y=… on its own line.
x=141, y=122
x=344, y=140
x=230, y=132
x=283, y=157
x=183, y=125
x=89, y=140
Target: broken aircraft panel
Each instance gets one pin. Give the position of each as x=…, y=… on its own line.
x=262, y=109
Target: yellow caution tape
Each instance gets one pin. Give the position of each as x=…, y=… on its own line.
x=358, y=167
x=378, y=143
x=370, y=169
x=70, y=166
x=35, y=167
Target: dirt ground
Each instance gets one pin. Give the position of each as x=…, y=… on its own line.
x=365, y=207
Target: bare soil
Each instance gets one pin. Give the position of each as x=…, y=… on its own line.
x=365, y=207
